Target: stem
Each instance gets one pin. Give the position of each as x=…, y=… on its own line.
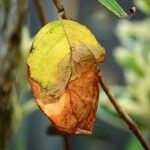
x=60, y=9
x=67, y=144
x=41, y=12
x=131, y=124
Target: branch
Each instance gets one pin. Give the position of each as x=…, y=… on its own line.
x=60, y=9
x=67, y=143
x=131, y=124
x=41, y=12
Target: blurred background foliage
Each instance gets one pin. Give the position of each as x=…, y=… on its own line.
x=126, y=68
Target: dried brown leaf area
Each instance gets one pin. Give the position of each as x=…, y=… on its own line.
x=71, y=101
x=74, y=112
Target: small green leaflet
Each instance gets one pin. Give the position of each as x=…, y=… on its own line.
x=113, y=6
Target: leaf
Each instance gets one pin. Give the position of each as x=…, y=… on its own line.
x=62, y=72
x=113, y=6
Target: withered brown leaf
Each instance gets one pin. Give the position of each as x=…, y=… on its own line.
x=69, y=93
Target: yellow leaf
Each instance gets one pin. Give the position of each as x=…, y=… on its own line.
x=62, y=67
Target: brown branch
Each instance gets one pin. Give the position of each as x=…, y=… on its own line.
x=131, y=124
x=41, y=12
x=60, y=9
x=67, y=143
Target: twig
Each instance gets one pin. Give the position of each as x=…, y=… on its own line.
x=41, y=12
x=60, y=9
x=67, y=143
x=132, y=126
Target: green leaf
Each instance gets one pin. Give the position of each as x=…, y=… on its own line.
x=113, y=6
